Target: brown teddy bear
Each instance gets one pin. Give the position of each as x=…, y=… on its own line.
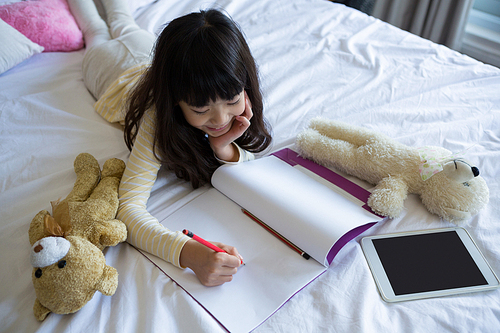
x=66, y=255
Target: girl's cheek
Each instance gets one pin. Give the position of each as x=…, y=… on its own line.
x=242, y=108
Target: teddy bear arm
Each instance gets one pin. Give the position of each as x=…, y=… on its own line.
x=388, y=197
x=326, y=151
x=87, y=176
x=335, y=130
x=107, y=191
x=40, y=311
x=109, y=281
x=111, y=232
x=113, y=167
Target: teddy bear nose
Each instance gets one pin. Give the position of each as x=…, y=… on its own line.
x=48, y=251
x=475, y=171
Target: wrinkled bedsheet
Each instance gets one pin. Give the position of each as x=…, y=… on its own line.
x=315, y=58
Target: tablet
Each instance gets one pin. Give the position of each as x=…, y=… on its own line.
x=427, y=263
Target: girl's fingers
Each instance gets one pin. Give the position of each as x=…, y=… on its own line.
x=244, y=121
x=232, y=251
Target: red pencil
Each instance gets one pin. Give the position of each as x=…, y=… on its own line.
x=204, y=242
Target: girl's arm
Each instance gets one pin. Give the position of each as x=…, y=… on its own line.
x=144, y=230
x=146, y=233
x=243, y=155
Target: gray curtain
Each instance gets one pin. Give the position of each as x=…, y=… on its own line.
x=441, y=21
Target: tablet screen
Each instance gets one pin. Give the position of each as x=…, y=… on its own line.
x=427, y=262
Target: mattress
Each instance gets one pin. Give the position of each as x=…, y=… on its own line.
x=315, y=58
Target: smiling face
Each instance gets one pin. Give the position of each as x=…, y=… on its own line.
x=215, y=118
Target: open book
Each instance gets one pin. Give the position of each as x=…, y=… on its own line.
x=300, y=203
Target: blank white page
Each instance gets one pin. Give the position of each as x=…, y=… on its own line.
x=271, y=275
x=305, y=211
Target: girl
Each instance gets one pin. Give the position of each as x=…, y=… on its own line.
x=188, y=108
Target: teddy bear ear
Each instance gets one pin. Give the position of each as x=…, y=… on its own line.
x=37, y=229
x=109, y=281
x=40, y=311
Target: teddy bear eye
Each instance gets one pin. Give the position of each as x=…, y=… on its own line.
x=61, y=264
x=38, y=273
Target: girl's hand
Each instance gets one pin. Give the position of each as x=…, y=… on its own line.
x=222, y=145
x=212, y=268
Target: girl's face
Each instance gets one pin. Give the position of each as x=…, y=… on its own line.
x=216, y=118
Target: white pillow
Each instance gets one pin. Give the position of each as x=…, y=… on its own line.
x=14, y=47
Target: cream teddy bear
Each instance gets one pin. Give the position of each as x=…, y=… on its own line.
x=449, y=186
x=66, y=254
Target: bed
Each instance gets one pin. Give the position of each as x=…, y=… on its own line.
x=315, y=58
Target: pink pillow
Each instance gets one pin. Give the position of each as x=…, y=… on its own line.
x=48, y=23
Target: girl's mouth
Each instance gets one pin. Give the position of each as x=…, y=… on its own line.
x=218, y=129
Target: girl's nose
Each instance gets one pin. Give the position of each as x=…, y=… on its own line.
x=219, y=117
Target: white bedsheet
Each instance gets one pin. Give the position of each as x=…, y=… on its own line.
x=315, y=59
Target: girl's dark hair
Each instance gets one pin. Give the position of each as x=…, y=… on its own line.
x=198, y=58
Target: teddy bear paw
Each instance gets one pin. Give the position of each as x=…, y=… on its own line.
x=113, y=167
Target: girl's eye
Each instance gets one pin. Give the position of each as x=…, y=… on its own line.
x=200, y=111
x=234, y=102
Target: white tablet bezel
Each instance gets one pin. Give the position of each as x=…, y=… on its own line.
x=384, y=285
